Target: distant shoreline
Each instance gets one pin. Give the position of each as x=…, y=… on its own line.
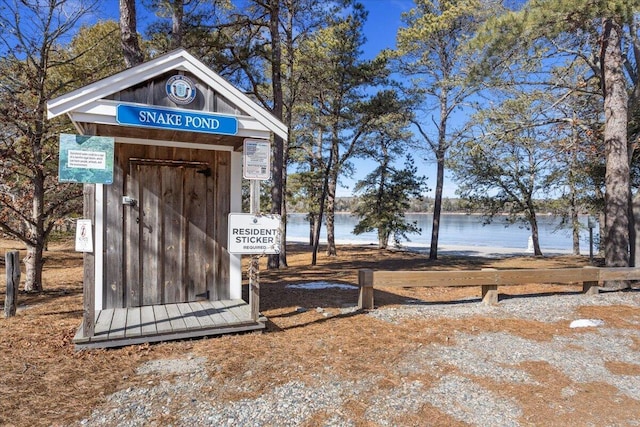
x=443, y=213
x=454, y=250
x=468, y=233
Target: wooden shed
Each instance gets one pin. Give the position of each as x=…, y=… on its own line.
x=160, y=269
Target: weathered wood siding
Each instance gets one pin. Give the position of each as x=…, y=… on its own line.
x=153, y=92
x=171, y=246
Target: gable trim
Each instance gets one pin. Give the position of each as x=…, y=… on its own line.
x=179, y=59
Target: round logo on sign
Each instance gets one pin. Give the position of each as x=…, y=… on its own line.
x=181, y=89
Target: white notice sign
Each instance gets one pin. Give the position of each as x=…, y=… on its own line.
x=254, y=234
x=256, y=159
x=87, y=159
x=84, y=236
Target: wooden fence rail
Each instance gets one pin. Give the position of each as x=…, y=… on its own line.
x=489, y=279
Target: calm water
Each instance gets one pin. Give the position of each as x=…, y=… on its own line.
x=456, y=230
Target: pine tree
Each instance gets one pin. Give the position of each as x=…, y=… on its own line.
x=561, y=26
x=431, y=53
x=342, y=111
x=509, y=161
x=385, y=195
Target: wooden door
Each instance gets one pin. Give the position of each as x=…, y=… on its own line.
x=167, y=235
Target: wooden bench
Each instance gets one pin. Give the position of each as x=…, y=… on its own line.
x=489, y=279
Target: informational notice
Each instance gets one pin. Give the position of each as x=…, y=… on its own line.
x=84, y=236
x=256, y=159
x=86, y=159
x=254, y=234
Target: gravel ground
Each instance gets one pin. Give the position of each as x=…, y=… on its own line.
x=457, y=392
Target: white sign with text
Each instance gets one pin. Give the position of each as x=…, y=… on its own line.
x=84, y=236
x=254, y=234
x=256, y=159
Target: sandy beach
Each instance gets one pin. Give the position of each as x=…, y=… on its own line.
x=489, y=251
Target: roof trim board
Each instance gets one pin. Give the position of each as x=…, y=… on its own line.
x=88, y=97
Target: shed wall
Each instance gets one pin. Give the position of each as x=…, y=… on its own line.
x=126, y=238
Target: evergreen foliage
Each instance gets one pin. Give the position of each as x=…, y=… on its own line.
x=604, y=36
x=339, y=110
x=431, y=54
x=385, y=195
x=561, y=75
x=510, y=161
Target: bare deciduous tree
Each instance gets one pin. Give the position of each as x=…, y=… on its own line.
x=35, y=66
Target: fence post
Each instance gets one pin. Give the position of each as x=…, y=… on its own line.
x=12, y=264
x=489, y=292
x=365, y=280
x=591, y=287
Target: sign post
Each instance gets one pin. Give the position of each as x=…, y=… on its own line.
x=256, y=235
x=591, y=223
x=255, y=238
x=254, y=264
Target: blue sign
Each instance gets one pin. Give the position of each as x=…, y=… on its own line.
x=167, y=118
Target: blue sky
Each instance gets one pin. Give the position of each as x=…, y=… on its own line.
x=380, y=31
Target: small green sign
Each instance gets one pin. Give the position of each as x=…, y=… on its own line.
x=86, y=159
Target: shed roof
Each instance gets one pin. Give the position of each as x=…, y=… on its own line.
x=95, y=104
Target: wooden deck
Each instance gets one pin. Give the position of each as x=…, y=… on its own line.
x=127, y=326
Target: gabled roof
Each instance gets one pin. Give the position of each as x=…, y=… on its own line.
x=87, y=99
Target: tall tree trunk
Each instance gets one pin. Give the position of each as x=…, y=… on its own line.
x=332, y=184
x=278, y=151
x=383, y=231
x=35, y=248
x=330, y=215
x=290, y=63
x=323, y=198
x=602, y=224
x=437, y=206
x=632, y=232
x=573, y=209
x=283, y=212
x=312, y=228
x=129, y=34
x=177, y=27
x=635, y=259
x=440, y=152
x=575, y=228
x=573, y=192
x=535, y=234
x=616, y=150
x=383, y=238
x=33, y=262
x=315, y=217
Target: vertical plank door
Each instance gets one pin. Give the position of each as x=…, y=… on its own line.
x=169, y=257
